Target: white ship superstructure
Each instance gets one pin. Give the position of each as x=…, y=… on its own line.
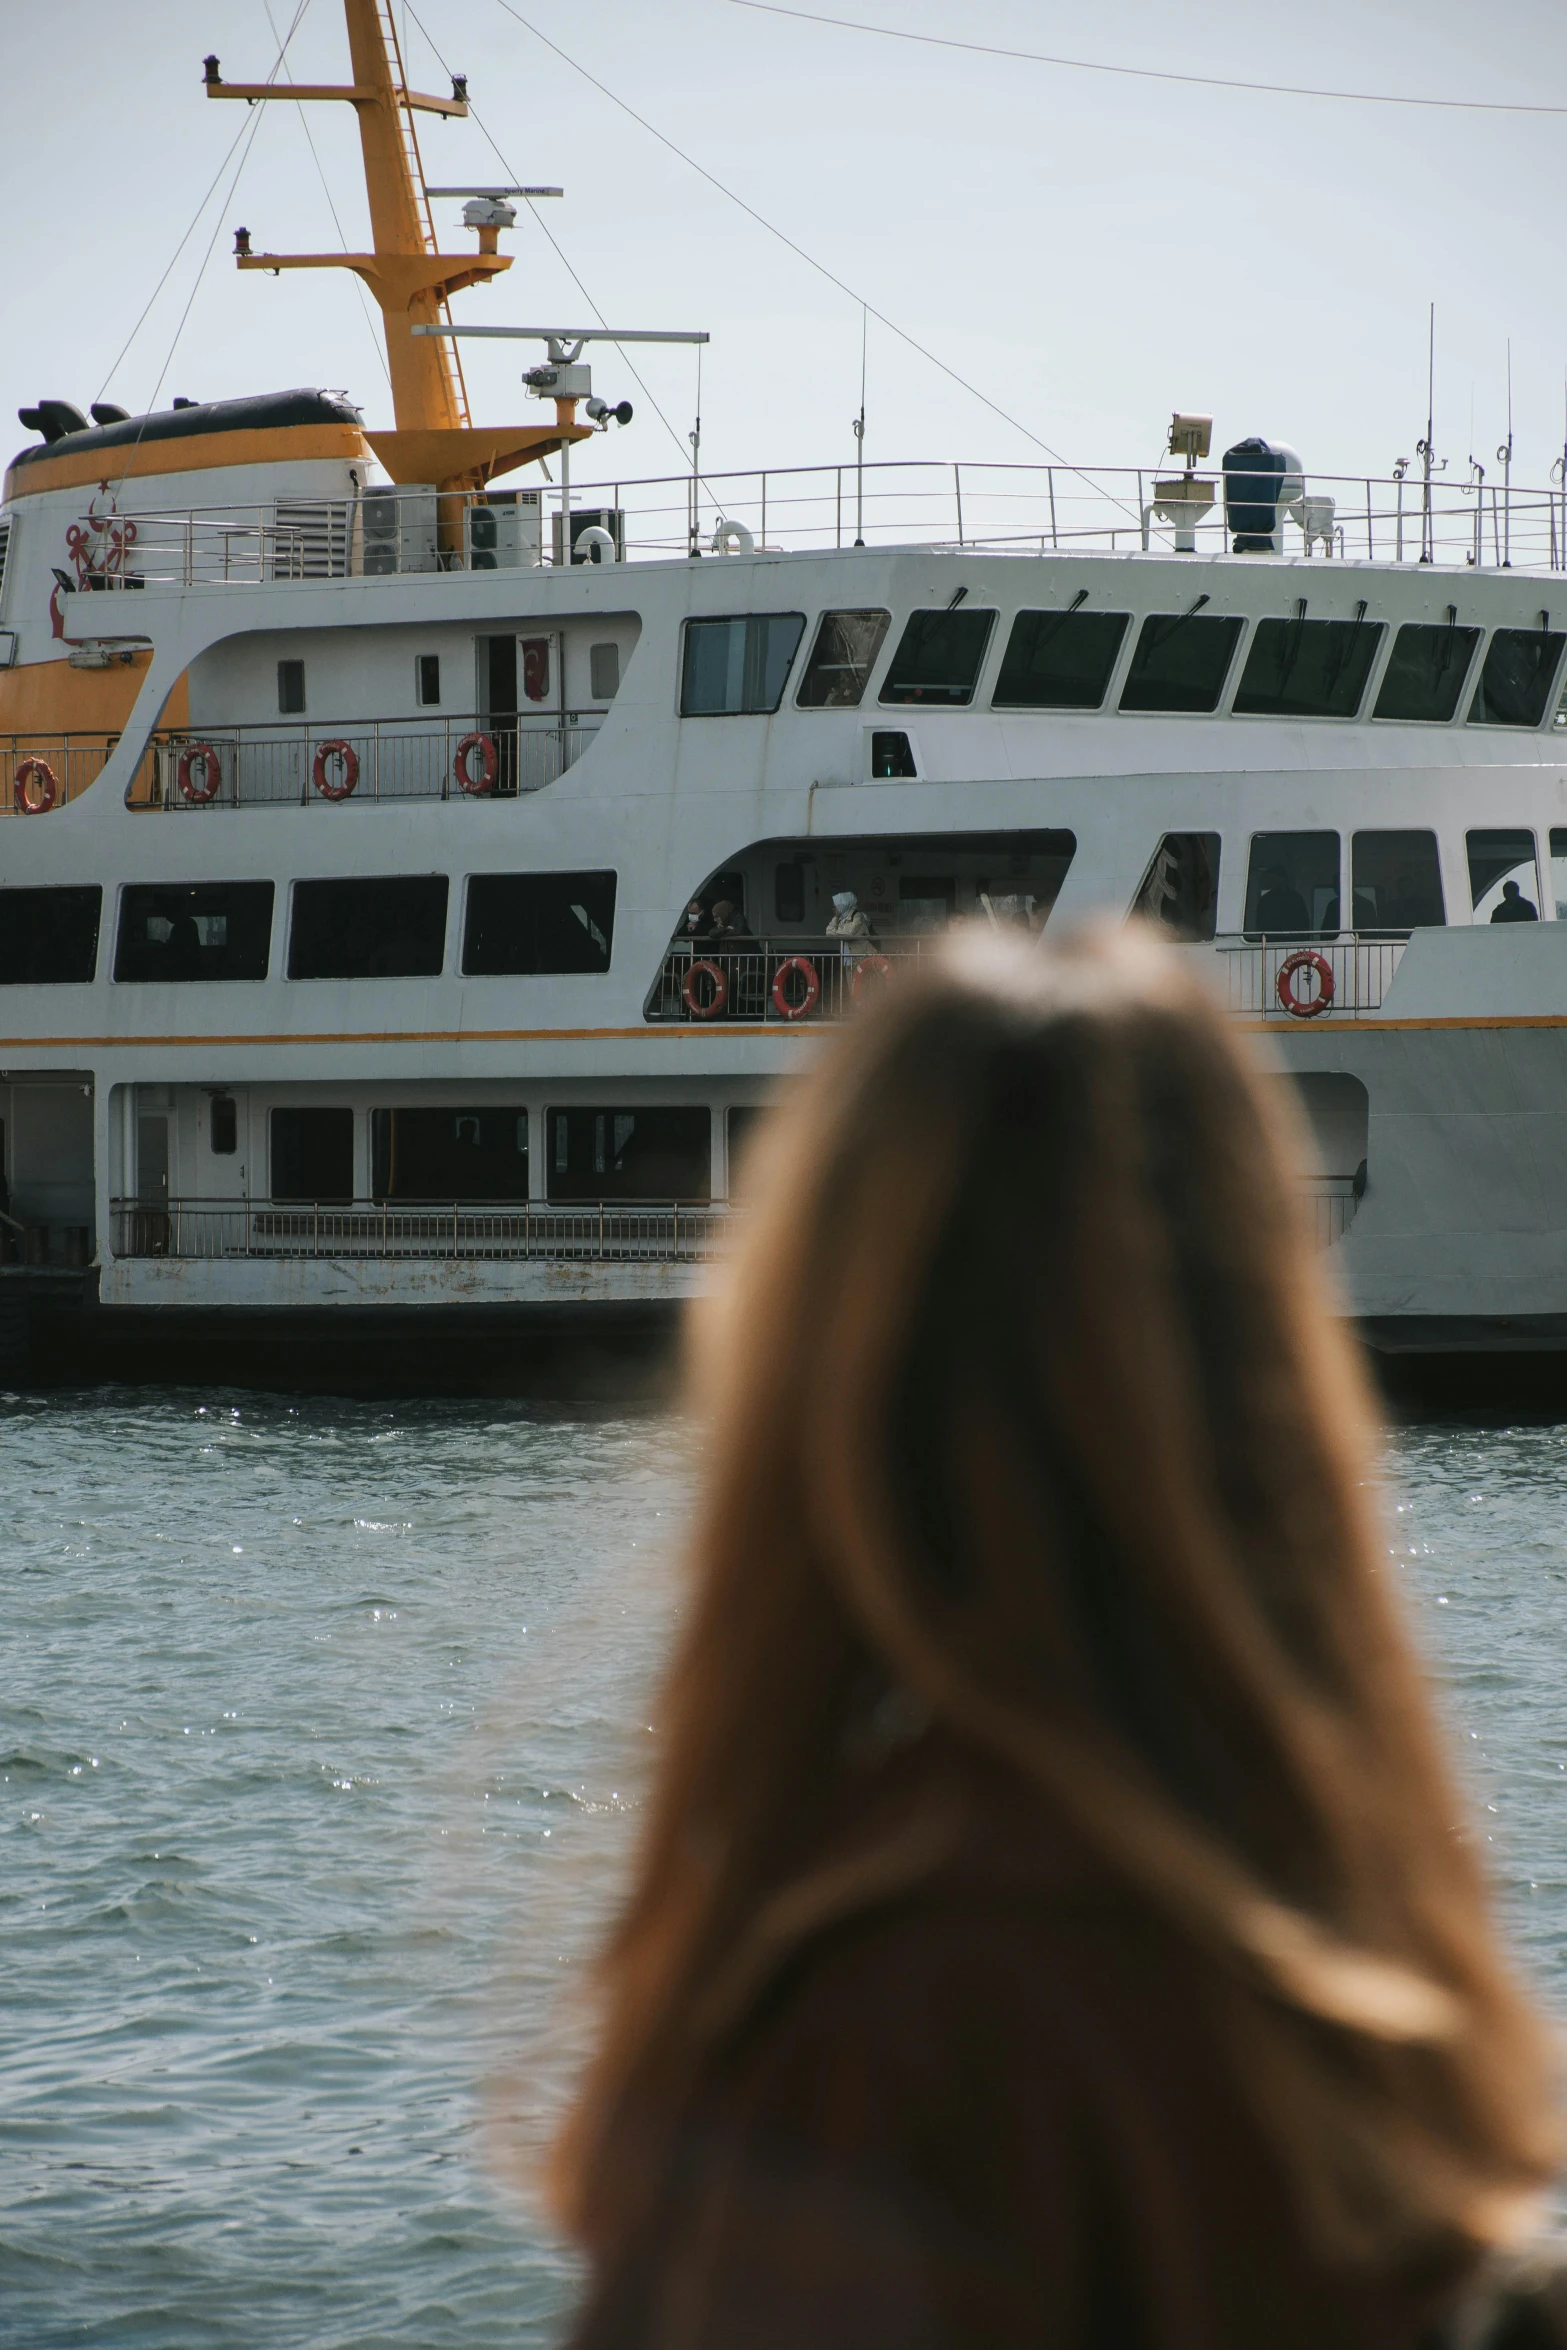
x=364, y=975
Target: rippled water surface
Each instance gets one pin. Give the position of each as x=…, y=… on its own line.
x=320, y=1731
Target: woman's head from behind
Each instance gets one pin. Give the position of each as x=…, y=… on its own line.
x=1027, y=1406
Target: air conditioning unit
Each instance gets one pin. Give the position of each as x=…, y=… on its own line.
x=610, y=518
x=505, y=532
x=398, y=529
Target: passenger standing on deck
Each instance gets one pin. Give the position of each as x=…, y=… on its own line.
x=1052, y=1925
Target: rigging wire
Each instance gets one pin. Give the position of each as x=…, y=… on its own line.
x=1149, y=73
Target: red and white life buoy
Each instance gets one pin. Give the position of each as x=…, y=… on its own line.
x=1305, y=1007
x=866, y=966
x=489, y=764
x=35, y=787
x=802, y=967
x=348, y=759
x=708, y=1007
x=204, y=756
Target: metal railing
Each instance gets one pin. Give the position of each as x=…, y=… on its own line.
x=1397, y=518
x=784, y=982
x=44, y=771
x=338, y=762
x=1332, y=1200
x=1308, y=979
x=511, y=1232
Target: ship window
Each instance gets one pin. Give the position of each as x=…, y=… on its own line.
x=1426, y=673
x=201, y=930
x=842, y=659
x=1559, y=872
x=938, y=658
x=1515, y=682
x=391, y=929
x=291, y=687
x=604, y=672
x=223, y=1126
x=1504, y=885
x=736, y=667
x=642, y=1154
x=313, y=1155
x=434, y=1155
x=49, y=937
x=1396, y=881
x=427, y=679
x=1059, y=660
x=891, y=754
x=1292, y=888
x=1307, y=668
x=789, y=891
x=1181, y=661
x=1180, y=890
x=525, y=925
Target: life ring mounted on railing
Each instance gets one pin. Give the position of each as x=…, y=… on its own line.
x=708, y=1006
x=200, y=755
x=35, y=787
x=1303, y=960
x=784, y=1004
x=346, y=759
x=489, y=765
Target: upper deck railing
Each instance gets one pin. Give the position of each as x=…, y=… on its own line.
x=1001, y=508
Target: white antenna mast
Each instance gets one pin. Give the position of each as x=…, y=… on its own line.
x=859, y=439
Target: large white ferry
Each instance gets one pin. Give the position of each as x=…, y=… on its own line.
x=410, y=888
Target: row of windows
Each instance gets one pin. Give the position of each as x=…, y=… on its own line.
x=1181, y=662
x=500, y=671
x=441, y=1156
x=1294, y=882
x=515, y=925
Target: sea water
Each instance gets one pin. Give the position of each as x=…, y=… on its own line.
x=322, y=1728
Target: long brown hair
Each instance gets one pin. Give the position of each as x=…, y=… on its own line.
x=1025, y=1395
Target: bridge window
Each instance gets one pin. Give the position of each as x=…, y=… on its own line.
x=1516, y=679
x=1425, y=675
x=938, y=658
x=1504, y=882
x=205, y=930
x=735, y=668
x=1181, y=661
x=1397, y=881
x=1307, y=668
x=435, y=1155
x=643, y=1154
x=313, y=1155
x=842, y=659
x=49, y=937
x=524, y=925
x=391, y=929
x=291, y=687
x=1292, y=885
x=1059, y=660
x=1180, y=890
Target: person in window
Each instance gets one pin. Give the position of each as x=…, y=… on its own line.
x=728, y=923
x=1281, y=910
x=182, y=948
x=1054, y=1920
x=693, y=930
x=1514, y=906
x=848, y=918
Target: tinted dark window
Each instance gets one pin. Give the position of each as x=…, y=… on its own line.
x=1396, y=881
x=630, y=1155
x=1292, y=888
x=313, y=1155
x=206, y=930
x=1180, y=890
x=735, y=667
x=1504, y=885
x=527, y=924
x=1515, y=680
x=842, y=659
x=789, y=891
x=1059, y=660
x=427, y=677
x=48, y=936
x=392, y=929
x=1181, y=661
x=290, y=687
x=938, y=658
x=891, y=754
x=1307, y=668
x=1426, y=672
x=426, y=1154
x=223, y=1125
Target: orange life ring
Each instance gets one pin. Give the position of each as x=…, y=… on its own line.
x=715, y=1002
x=813, y=987
x=863, y=964
x=489, y=762
x=335, y=749
x=1305, y=959
x=37, y=771
x=212, y=774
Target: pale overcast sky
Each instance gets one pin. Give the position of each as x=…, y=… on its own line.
x=1091, y=251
